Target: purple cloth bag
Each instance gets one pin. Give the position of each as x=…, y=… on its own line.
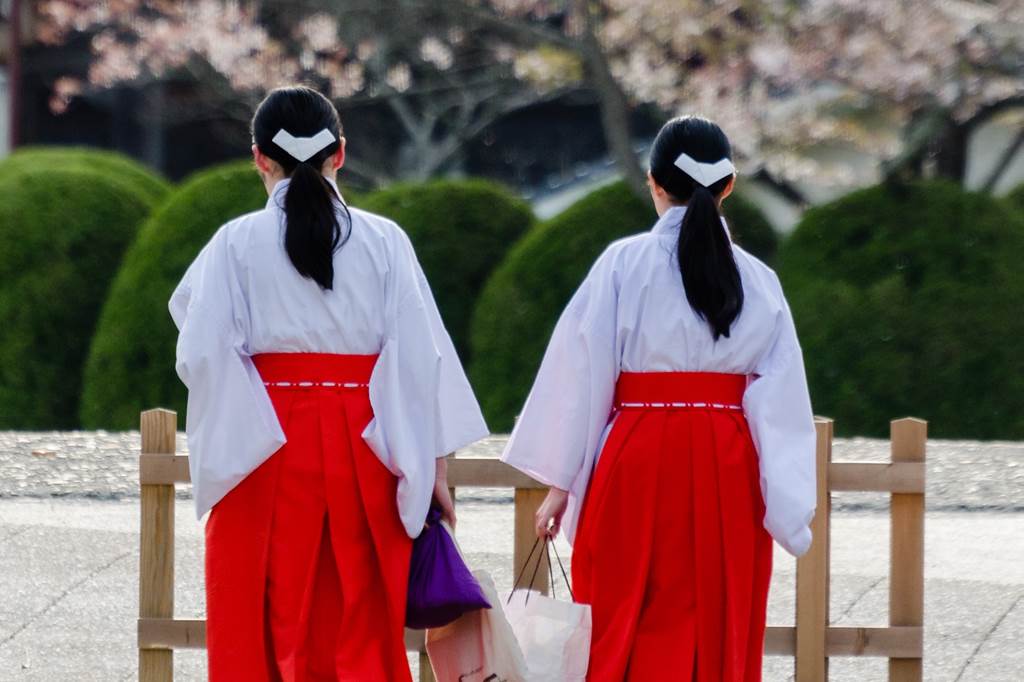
x=441, y=587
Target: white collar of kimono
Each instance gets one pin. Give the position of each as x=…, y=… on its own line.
x=276, y=197
x=670, y=221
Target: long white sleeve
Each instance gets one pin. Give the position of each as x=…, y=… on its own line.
x=558, y=435
x=778, y=409
x=423, y=405
x=231, y=424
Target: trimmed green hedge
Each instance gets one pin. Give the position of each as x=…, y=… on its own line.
x=117, y=166
x=750, y=228
x=523, y=299
x=1016, y=198
x=461, y=230
x=131, y=362
x=62, y=233
x=908, y=302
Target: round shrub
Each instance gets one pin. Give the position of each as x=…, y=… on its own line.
x=62, y=234
x=1016, y=199
x=523, y=299
x=118, y=167
x=907, y=299
x=131, y=362
x=461, y=230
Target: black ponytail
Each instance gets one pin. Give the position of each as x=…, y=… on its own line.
x=312, y=230
x=710, y=276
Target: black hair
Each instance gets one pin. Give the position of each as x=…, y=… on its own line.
x=710, y=276
x=312, y=231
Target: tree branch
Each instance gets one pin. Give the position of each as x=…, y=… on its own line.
x=398, y=103
x=936, y=130
x=784, y=188
x=484, y=119
x=987, y=112
x=516, y=30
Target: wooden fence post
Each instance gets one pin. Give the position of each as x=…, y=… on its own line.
x=156, y=544
x=906, y=562
x=812, y=574
x=527, y=502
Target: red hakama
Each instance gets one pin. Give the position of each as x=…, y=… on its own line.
x=307, y=560
x=671, y=551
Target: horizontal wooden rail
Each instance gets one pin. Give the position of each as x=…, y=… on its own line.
x=880, y=642
x=482, y=472
x=883, y=477
x=884, y=642
x=163, y=469
x=780, y=641
x=190, y=633
x=172, y=633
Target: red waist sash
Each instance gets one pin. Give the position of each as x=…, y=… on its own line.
x=315, y=370
x=680, y=390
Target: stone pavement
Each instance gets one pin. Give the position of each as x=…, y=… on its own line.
x=68, y=588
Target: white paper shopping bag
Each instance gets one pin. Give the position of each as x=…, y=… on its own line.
x=554, y=636
x=478, y=647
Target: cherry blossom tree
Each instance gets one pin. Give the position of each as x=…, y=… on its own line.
x=441, y=84
x=942, y=69
x=782, y=76
x=785, y=75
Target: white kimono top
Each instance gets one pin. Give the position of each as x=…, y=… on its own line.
x=631, y=315
x=242, y=296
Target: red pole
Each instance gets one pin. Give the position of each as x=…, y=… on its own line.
x=14, y=74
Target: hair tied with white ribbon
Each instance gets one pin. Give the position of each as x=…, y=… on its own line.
x=303, y=148
x=706, y=174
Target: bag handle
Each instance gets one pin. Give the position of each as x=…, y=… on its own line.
x=526, y=564
x=565, y=577
x=551, y=574
x=548, y=545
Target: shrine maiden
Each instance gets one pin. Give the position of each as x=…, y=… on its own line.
x=323, y=391
x=672, y=421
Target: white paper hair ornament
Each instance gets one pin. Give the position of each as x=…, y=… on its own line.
x=706, y=174
x=303, y=148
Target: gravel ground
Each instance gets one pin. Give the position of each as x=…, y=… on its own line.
x=962, y=475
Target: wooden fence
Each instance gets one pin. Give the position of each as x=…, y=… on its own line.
x=812, y=641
